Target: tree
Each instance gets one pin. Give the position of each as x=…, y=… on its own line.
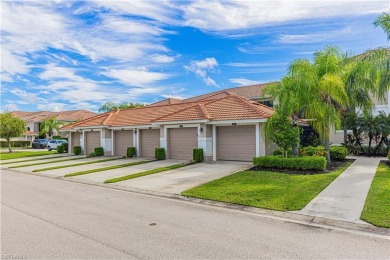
x=279, y=129
x=11, y=126
x=49, y=125
x=109, y=106
x=366, y=76
x=316, y=90
x=383, y=21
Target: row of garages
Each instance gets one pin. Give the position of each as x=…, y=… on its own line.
x=232, y=142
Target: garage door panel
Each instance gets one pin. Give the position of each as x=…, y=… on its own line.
x=236, y=143
x=182, y=142
x=92, y=141
x=123, y=140
x=150, y=140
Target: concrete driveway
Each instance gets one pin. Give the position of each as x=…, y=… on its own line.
x=176, y=181
x=105, y=175
x=46, y=165
x=63, y=171
x=39, y=160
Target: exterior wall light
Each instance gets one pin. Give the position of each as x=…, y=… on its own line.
x=201, y=130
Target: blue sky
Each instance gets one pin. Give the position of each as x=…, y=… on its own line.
x=62, y=55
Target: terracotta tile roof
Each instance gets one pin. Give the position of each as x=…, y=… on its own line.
x=30, y=133
x=228, y=107
x=252, y=91
x=231, y=107
x=168, y=101
x=69, y=116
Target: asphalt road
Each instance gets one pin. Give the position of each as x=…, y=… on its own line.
x=50, y=218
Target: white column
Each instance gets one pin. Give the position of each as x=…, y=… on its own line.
x=214, y=143
x=82, y=141
x=258, y=140
x=136, y=140
x=163, y=140
x=262, y=142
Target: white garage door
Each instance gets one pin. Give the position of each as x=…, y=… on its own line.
x=182, y=141
x=236, y=143
x=123, y=140
x=150, y=140
x=92, y=140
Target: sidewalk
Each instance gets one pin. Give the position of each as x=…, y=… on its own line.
x=344, y=198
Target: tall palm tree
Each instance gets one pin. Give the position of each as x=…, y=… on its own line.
x=366, y=76
x=48, y=126
x=316, y=90
x=383, y=21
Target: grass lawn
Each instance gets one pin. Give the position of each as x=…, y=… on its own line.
x=377, y=208
x=16, y=155
x=266, y=189
x=105, y=168
x=140, y=174
x=73, y=165
x=51, y=161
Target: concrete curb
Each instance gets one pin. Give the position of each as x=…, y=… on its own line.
x=288, y=217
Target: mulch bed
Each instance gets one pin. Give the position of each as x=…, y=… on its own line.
x=386, y=162
x=332, y=166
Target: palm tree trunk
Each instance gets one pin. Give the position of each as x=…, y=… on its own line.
x=326, y=145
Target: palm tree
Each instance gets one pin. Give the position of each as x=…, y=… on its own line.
x=109, y=106
x=48, y=126
x=383, y=21
x=316, y=90
x=366, y=76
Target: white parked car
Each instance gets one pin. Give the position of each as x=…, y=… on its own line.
x=52, y=144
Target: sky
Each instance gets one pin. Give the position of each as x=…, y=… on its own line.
x=65, y=55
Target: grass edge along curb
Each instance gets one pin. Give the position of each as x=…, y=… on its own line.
x=105, y=168
x=72, y=165
x=140, y=174
x=41, y=163
x=24, y=154
x=35, y=159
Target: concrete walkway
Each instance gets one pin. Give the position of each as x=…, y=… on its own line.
x=344, y=198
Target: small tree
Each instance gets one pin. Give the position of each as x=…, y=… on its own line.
x=280, y=130
x=49, y=125
x=11, y=126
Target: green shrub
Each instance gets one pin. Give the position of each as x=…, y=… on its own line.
x=159, y=153
x=91, y=155
x=60, y=148
x=338, y=153
x=312, y=151
x=77, y=150
x=198, y=155
x=15, y=144
x=99, y=151
x=317, y=163
x=131, y=152
x=388, y=155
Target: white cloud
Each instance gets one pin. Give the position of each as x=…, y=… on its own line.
x=221, y=16
x=162, y=59
x=243, y=81
x=202, y=67
x=54, y=107
x=174, y=96
x=138, y=77
x=10, y=107
x=314, y=37
x=24, y=95
x=256, y=64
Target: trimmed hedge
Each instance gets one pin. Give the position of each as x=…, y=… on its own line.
x=317, y=163
x=337, y=153
x=99, y=151
x=131, y=152
x=60, y=149
x=77, y=150
x=15, y=143
x=159, y=153
x=198, y=155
